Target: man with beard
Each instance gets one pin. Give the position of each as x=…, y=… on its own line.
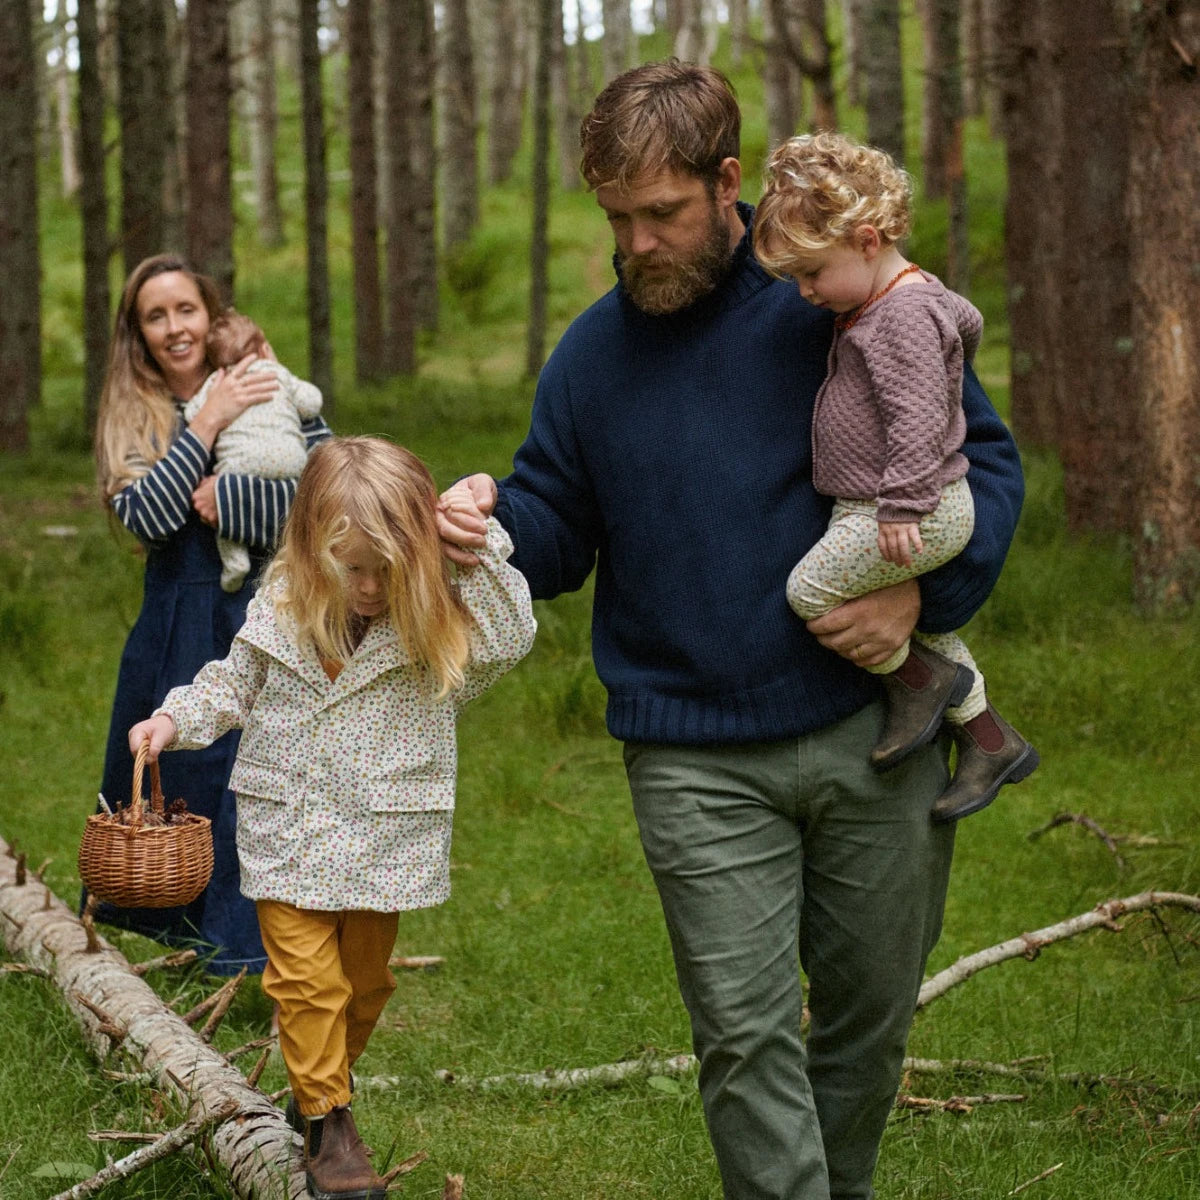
x=670, y=449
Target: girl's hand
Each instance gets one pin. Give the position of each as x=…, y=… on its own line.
x=160, y=730
x=231, y=393
x=899, y=541
x=462, y=513
x=204, y=500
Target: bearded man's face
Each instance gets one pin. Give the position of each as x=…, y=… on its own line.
x=673, y=239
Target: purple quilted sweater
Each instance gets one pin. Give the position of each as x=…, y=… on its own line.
x=888, y=420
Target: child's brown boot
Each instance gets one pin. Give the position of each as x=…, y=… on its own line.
x=991, y=753
x=335, y=1160
x=918, y=693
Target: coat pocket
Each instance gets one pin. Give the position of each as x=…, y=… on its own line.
x=261, y=780
x=412, y=789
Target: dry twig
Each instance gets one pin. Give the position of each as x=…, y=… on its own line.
x=191, y=1129
x=1036, y=1179
x=454, y=1188
x=958, y=1104
x=1066, y=818
x=409, y=1164
x=1030, y=945
x=177, y=958
x=416, y=962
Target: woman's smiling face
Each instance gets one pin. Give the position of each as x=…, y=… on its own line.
x=174, y=323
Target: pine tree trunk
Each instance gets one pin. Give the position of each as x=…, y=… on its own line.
x=506, y=89
x=945, y=173
x=364, y=201
x=172, y=123
x=400, y=352
x=934, y=130
x=1164, y=181
x=316, y=205
x=565, y=108
x=884, y=77
x=972, y=28
x=460, y=127
x=263, y=122
x=209, y=88
x=142, y=71
x=539, y=253
x=689, y=39
x=424, y=272
x=585, y=89
x=819, y=64
x=618, y=37
x=93, y=201
x=781, y=80
x=852, y=40
x=20, y=292
x=67, y=156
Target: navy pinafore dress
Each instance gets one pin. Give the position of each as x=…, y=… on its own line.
x=185, y=621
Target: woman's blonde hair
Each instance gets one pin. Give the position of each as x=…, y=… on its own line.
x=370, y=487
x=820, y=188
x=136, y=419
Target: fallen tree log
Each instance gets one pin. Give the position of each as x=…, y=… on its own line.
x=255, y=1145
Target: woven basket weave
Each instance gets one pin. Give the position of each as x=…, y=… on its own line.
x=137, y=865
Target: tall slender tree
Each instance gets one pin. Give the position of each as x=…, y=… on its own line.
x=460, y=126
x=364, y=200
x=539, y=252
x=93, y=201
x=400, y=344
x=882, y=67
x=316, y=204
x=617, y=47
x=20, y=295
x=423, y=278
x=1164, y=181
x=142, y=99
x=209, y=88
x=506, y=88
x=263, y=122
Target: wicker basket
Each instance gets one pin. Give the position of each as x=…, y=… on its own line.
x=134, y=864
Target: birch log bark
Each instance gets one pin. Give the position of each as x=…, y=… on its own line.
x=256, y=1147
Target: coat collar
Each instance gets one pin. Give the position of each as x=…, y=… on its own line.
x=379, y=651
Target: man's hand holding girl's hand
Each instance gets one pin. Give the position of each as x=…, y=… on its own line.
x=159, y=730
x=462, y=513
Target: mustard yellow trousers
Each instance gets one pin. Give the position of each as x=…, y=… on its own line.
x=328, y=972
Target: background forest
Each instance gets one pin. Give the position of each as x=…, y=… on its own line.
x=390, y=190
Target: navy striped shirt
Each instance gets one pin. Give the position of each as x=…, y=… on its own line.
x=249, y=509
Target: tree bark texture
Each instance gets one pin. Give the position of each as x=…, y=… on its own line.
x=506, y=89
x=852, y=49
x=1164, y=183
x=209, y=89
x=264, y=120
x=460, y=127
x=142, y=99
x=782, y=85
x=257, y=1148
x=68, y=157
x=942, y=126
x=1066, y=117
x=802, y=32
x=882, y=69
x=400, y=351
x=93, y=203
x=316, y=205
x=689, y=40
x=424, y=272
x=564, y=106
x=364, y=200
x=172, y=122
x=539, y=249
x=20, y=289
x=618, y=36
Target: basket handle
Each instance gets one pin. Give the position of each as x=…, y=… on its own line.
x=156, y=793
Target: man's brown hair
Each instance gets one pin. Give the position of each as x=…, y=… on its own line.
x=671, y=116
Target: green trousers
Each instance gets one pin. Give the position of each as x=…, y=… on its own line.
x=765, y=852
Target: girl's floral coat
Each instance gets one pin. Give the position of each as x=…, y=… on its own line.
x=345, y=788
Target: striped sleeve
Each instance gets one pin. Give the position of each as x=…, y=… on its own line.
x=157, y=504
x=252, y=510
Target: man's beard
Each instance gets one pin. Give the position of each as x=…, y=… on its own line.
x=688, y=276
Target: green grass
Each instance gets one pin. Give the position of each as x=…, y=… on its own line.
x=555, y=950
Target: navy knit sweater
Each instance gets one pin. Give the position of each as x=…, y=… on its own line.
x=673, y=453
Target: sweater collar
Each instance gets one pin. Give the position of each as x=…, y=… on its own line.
x=744, y=277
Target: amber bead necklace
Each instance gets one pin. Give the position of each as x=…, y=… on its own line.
x=849, y=320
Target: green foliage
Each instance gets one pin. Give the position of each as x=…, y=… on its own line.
x=555, y=950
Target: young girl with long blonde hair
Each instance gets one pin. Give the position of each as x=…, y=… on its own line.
x=887, y=430
x=357, y=654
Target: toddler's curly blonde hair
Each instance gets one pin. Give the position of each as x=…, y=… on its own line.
x=820, y=188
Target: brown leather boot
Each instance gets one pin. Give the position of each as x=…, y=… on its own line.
x=918, y=695
x=335, y=1160
x=983, y=769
